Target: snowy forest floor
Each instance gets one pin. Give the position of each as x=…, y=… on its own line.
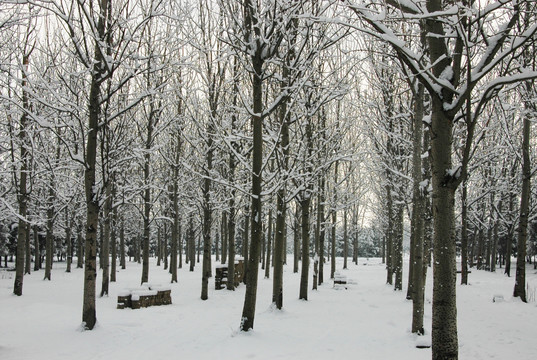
x=368, y=320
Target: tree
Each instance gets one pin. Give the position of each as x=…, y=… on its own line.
x=22, y=193
x=528, y=114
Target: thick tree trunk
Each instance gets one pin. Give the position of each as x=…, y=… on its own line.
x=89, y=317
x=248, y=311
x=444, y=319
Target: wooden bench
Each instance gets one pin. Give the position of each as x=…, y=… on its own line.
x=221, y=276
x=340, y=279
x=145, y=296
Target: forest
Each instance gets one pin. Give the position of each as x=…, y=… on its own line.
x=279, y=136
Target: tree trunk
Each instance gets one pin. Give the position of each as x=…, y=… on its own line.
x=191, y=243
x=122, y=260
x=147, y=200
x=398, y=248
x=296, y=239
x=269, y=245
x=444, y=319
x=37, y=250
x=79, y=247
x=417, y=290
x=89, y=317
x=389, y=236
x=510, y=230
x=248, y=311
x=305, y=230
x=105, y=249
x=68, y=241
x=49, y=242
x=207, y=211
x=159, y=246
x=175, y=224
x=322, y=227
x=464, y=234
x=495, y=238
x=223, y=231
x=345, y=239
x=520, y=280
x=334, y=225
x=113, y=241
x=231, y=241
x=22, y=194
x=245, y=243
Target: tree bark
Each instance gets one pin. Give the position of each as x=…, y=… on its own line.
x=398, y=248
x=22, y=194
x=444, y=319
x=105, y=249
x=305, y=230
x=68, y=241
x=49, y=242
x=248, y=311
x=113, y=240
x=417, y=290
x=27, y=251
x=464, y=234
x=269, y=246
x=296, y=239
x=89, y=317
x=520, y=279
x=37, y=250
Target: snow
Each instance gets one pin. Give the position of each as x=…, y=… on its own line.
x=368, y=320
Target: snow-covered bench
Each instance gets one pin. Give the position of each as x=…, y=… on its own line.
x=144, y=296
x=222, y=271
x=340, y=279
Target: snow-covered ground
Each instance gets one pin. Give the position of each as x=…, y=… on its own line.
x=368, y=320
